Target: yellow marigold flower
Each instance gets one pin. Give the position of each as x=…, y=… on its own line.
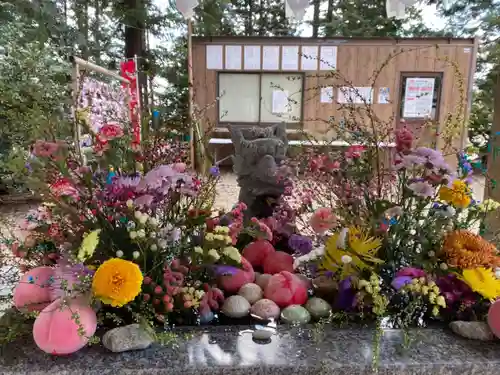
x=467, y=250
x=117, y=282
x=459, y=195
x=483, y=281
x=360, y=247
x=89, y=243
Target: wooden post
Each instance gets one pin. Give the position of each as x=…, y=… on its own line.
x=192, y=150
x=492, y=191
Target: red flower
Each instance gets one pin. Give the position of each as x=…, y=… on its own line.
x=110, y=131
x=64, y=188
x=404, y=140
x=354, y=152
x=53, y=230
x=45, y=149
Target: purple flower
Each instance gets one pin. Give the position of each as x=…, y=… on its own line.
x=453, y=289
x=225, y=270
x=346, y=297
x=401, y=281
x=411, y=271
x=214, y=171
x=300, y=244
x=422, y=189
x=145, y=200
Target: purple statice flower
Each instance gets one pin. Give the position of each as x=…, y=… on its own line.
x=300, y=244
x=422, y=189
x=346, y=297
x=400, y=281
x=144, y=201
x=67, y=279
x=409, y=161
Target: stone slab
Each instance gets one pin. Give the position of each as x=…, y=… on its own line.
x=293, y=351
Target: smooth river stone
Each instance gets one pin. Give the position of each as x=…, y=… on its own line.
x=295, y=314
x=251, y=292
x=236, y=307
x=265, y=309
x=318, y=308
x=131, y=337
x=262, y=280
x=473, y=330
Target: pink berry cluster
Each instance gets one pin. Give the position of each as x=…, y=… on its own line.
x=211, y=300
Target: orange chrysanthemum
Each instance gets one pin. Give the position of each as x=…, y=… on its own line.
x=466, y=250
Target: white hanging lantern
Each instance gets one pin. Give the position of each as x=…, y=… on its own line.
x=296, y=9
x=186, y=7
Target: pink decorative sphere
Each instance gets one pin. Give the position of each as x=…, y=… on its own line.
x=277, y=262
x=245, y=275
x=286, y=289
x=257, y=251
x=56, y=332
x=33, y=293
x=494, y=318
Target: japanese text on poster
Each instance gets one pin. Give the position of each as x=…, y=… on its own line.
x=419, y=95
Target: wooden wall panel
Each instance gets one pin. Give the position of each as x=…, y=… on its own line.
x=357, y=60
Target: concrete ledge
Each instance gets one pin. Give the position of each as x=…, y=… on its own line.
x=293, y=351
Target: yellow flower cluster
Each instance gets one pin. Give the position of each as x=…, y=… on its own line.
x=220, y=236
x=216, y=246
x=372, y=287
x=429, y=290
x=488, y=205
x=483, y=281
x=191, y=296
x=459, y=195
x=117, y=282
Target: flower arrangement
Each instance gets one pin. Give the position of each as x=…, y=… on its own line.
x=132, y=238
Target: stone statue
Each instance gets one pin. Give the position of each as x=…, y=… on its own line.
x=258, y=155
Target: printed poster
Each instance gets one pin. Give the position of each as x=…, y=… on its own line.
x=419, y=95
x=383, y=95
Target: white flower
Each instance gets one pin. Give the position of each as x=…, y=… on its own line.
x=341, y=241
x=314, y=254
x=119, y=253
x=198, y=249
x=413, y=232
x=137, y=214
x=153, y=247
x=152, y=235
x=213, y=254
x=162, y=244
x=141, y=233
x=431, y=254
x=443, y=266
x=153, y=221
x=136, y=254
x=232, y=253
x=143, y=219
x=133, y=234
x=219, y=237
x=346, y=259
x=130, y=203
x=176, y=234
x=497, y=273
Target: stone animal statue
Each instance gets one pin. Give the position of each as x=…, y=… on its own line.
x=258, y=155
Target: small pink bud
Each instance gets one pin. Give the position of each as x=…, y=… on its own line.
x=147, y=280
x=158, y=290
x=146, y=297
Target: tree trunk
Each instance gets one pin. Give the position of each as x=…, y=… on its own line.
x=329, y=18
x=315, y=21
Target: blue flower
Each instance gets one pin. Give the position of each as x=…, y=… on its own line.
x=300, y=244
x=214, y=171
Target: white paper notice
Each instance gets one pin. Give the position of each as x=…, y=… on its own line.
x=270, y=57
x=233, y=57
x=327, y=94
x=252, y=57
x=214, y=57
x=419, y=94
x=280, y=102
x=328, y=58
x=290, y=58
x=383, y=95
x=309, y=59
x=355, y=95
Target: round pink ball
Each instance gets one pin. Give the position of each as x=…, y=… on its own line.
x=277, y=262
x=55, y=331
x=494, y=318
x=265, y=309
x=33, y=292
x=245, y=275
x=257, y=251
x=286, y=289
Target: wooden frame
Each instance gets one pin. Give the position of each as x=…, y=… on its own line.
x=261, y=73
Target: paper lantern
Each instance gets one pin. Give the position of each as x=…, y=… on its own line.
x=296, y=9
x=186, y=7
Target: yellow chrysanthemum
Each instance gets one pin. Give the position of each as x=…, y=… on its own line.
x=117, y=282
x=483, y=281
x=357, y=251
x=89, y=243
x=459, y=195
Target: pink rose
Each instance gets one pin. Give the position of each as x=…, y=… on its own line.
x=110, y=131
x=404, y=140
x=322, y=220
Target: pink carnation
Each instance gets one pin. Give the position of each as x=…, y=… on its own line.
x=322, y=220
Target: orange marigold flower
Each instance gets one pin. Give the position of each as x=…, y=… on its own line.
x=466, y=250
